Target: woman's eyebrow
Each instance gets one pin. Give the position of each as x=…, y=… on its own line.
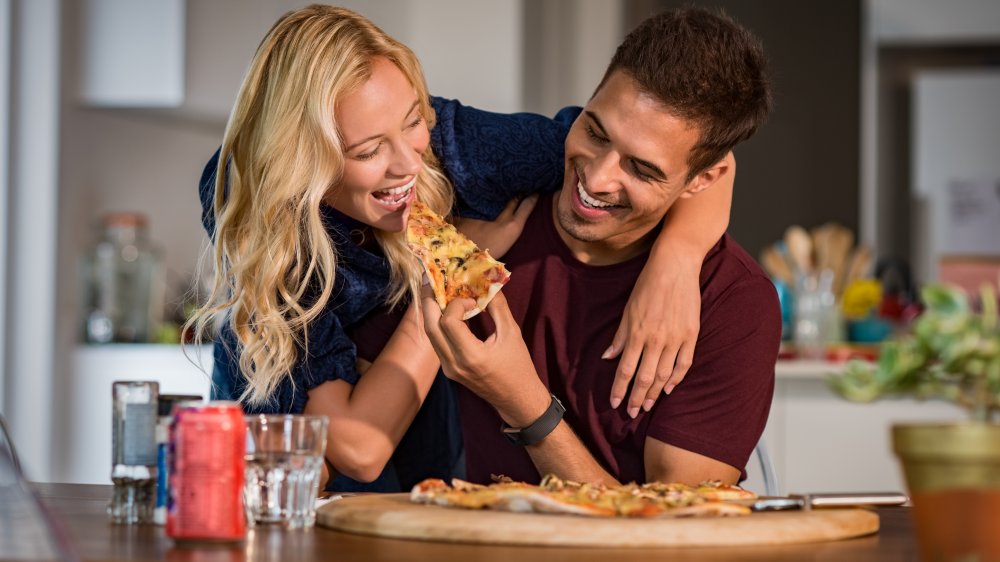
x=373, y=137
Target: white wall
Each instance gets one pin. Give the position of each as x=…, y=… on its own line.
x=915, y=22
x=462, y=58
x=5, y=32
x=30, y=266
x=470, y=50
x=956, y=138
x=902, y=23
x=568, y=46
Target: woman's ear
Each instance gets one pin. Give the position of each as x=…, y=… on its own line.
x=723, y=170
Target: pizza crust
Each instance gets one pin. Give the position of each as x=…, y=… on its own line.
x=483, y=301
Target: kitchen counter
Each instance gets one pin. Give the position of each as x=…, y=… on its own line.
x=820, y=442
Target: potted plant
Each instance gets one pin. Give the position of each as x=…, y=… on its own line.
x=952, y=470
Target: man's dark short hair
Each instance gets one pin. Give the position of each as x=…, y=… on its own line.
x=705, y=68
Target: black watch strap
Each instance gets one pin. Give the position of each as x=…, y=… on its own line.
x=539, y=429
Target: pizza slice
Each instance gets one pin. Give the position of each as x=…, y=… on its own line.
x=455, y=266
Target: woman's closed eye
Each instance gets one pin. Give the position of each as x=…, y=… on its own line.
x=369, y=155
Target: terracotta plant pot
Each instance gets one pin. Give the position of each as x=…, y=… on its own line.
x=953, y=475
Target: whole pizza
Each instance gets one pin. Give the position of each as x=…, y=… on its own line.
x=554, y=495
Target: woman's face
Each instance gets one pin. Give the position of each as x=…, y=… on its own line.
x=384, y=137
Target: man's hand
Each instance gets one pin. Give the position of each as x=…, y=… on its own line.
x=657, y=334
x=491, y=369
x=499, y=235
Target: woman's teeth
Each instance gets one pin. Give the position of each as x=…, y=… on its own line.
x=590, y=201
x=396, y=194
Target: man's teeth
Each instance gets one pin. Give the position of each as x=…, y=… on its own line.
x=590, y=201
x=396, y=194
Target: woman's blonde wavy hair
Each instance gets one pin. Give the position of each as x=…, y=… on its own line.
x=281, y=156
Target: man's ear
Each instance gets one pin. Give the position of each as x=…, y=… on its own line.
x=722, y=169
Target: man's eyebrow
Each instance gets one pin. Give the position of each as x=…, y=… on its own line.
x=373, y=137
x=657, y=172
x=593, y=117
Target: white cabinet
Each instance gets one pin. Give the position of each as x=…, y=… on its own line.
x=132, y=53
x=83, y=450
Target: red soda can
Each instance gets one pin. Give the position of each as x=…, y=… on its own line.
x=207, y=449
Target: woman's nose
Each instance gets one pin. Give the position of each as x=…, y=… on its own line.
x=407, y=161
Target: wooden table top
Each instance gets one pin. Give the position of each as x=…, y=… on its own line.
x=82, y=511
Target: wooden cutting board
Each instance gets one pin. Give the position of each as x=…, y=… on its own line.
x=393, y=515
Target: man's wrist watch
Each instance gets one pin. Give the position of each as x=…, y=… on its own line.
x=537, y=430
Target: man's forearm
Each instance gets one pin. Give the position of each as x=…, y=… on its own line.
x=563, y=454
x=560, y=452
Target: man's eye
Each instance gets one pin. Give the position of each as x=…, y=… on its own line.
x=593, y=135
x=637, y=170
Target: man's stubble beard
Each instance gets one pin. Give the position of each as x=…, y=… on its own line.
x=574, y=227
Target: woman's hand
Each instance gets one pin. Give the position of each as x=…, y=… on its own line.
x=658, y=332
x=659, y=328
x=499, y=235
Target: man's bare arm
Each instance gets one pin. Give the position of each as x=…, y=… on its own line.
x=668, y=463
x=563, y=454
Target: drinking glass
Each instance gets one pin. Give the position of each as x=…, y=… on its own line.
x=284, y=460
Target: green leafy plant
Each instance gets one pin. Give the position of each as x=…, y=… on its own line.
x=952, y=353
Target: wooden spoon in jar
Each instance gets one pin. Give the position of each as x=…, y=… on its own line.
x=799, y=246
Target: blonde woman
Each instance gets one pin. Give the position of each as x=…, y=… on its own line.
x=327, y=146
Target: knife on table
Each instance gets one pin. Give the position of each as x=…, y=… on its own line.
x=813, y=501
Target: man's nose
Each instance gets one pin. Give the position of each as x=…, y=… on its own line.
x=604, y=173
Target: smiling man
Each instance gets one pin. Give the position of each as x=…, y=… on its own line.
x=681, y=91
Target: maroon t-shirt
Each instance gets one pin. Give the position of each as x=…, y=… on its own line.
x=568, y=312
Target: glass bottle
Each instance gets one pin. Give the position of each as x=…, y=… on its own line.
x=123, y=283
x=133, y=451
x=817, y=316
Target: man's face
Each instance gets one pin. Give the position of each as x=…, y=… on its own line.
x=626, y=163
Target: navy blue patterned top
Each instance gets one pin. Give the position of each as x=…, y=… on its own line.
x=489, y=157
